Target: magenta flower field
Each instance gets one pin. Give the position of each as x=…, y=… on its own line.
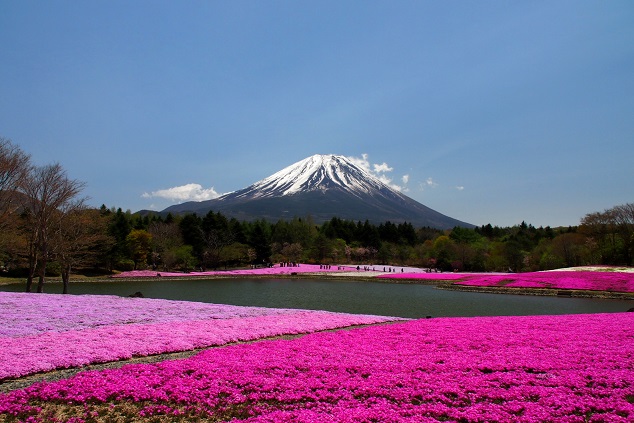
x=582, y=280
x=428, y=276
x=593, y=281
x=571, y=368
x=43, y=332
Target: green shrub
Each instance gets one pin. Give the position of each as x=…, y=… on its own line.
x=125, y=265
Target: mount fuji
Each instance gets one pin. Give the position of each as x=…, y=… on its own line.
x=323, y=187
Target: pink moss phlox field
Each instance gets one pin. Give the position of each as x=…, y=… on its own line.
x=42, y=332
x=29, y=314
x=569, y=368
x=427, y=276
x=275, y=270
x=30, y=354
x=581, y=280
x=587, y=280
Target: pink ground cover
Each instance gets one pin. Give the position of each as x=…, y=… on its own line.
x=42, y=332
x=570, y=368
x=24, y=314
x=427, y=276
x=275, y=270
x=583, y=280
x=586, y=280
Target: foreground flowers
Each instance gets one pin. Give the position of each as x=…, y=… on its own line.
x=574, y=368
x=42, y=332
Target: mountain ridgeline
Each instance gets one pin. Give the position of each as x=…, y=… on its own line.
x=323, y=187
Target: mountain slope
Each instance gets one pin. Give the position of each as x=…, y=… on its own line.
x=322, y=186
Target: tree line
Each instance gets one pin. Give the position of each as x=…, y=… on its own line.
x=48, y=230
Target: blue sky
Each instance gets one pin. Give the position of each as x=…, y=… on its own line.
x=488, y=111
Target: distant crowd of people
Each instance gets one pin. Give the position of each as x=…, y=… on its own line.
x=386, y=269
x=373, y=269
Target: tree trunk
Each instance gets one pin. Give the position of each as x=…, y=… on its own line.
x=32, y=267
x=42, y=271
x=31, y=275
x=29, y=283
x=40, y=285
x=65, y=279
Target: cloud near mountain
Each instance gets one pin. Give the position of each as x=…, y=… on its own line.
x=195, y=192
x=187, y=192
x=322, y=187
x=379, y=171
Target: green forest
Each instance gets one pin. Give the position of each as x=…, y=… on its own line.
x=213, y=241
x=48, y=231
x=114, y=240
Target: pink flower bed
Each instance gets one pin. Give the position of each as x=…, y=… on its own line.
x=572, y=368
x=427, y=276
x=586, y=280
x=583, y=280
x=42, y=332
x=275, y=270
x=30, y=314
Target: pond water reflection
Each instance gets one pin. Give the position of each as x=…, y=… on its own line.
x=361, y=297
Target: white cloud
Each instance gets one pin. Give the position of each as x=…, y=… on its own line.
x=362, y=162
x=387, y=181
x=460, y=188
x=381, y=168
x=428, y=183
x=379, y=171
x=188, y=192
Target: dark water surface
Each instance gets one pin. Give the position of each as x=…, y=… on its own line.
x=388, y=299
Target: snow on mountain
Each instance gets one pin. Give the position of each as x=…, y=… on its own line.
x=323, y=187
x=318, y=172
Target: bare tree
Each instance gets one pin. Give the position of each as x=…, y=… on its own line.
x=79, y=237
x=166, y=238
x=572, y=248
x=292, y=252
x=215, y=241
x=14, y=167
x=48, y=192
x=613, y=231
x=624, y=218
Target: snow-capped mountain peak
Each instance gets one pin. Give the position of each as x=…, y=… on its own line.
x=317, y=172
x=322, y=187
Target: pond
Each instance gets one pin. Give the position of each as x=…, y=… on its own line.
x=359, y=297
